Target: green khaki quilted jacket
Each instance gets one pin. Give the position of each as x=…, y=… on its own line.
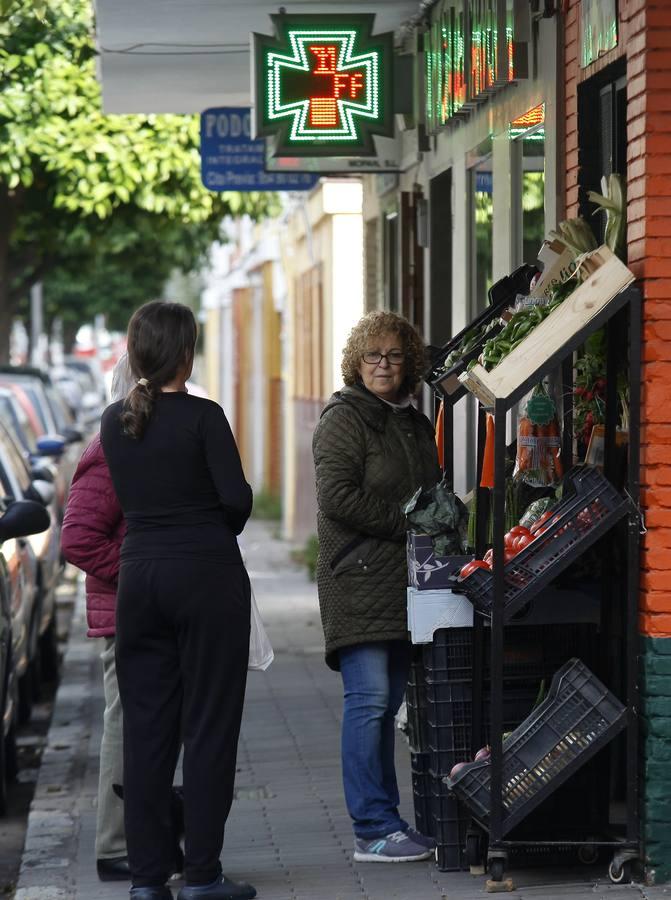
x=370, y=458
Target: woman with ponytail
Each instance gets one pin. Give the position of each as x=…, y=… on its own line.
x=183, y=607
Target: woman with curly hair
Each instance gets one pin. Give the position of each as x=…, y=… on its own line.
x=372, y=450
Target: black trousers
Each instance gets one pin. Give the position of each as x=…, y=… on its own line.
x=182, y=646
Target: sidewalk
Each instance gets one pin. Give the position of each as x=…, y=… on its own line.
x=289, y=832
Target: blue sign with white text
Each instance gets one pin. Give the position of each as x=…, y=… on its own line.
x=232, y=161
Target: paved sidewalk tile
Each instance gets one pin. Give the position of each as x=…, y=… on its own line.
x=289, y=832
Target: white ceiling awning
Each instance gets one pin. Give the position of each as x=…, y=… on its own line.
x=184, y=56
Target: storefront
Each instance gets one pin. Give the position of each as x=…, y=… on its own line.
x=618, y=114
x=480, y=183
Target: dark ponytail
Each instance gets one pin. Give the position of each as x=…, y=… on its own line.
x=161, y=341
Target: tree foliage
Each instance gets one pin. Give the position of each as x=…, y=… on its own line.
x=81, y=191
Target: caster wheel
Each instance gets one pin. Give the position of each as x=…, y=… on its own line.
x=588, y=854
x=496, y=869
x=621, y=874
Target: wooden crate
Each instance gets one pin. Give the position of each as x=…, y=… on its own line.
x=607, y=276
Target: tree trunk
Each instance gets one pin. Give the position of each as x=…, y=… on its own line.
x=7, y=219
x=6, y=306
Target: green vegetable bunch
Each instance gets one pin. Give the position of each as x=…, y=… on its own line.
x=518, y=327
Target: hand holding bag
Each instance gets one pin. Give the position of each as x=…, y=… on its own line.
x=260, y=650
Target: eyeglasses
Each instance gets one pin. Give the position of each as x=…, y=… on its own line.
x=373, y=357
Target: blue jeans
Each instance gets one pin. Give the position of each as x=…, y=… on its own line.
x=374, y=677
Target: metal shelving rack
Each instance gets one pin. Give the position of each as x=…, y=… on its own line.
x=622, y=319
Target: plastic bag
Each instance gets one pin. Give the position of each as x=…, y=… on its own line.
x=260, y=649
x=439, y=513
x=538, y=460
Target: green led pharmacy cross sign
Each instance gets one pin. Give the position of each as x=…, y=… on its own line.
x=323, y=85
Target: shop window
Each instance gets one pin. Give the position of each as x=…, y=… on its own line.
x=481, y=215
x=528, y=185
x=440, y=257
x=391, y=257
x=372, y=268
x=602, y=142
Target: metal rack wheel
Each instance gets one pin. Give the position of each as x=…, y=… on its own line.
x=497, y=866
x=588, y=854
x=619, y=873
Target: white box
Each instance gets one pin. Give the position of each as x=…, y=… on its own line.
x=430, y=610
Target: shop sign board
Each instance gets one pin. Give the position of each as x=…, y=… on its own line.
x=387, y=158
x=232, y=161
x=322, y=85
x=598, y=19
x=470, y=50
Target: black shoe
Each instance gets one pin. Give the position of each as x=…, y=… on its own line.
x=115, y=869
x=220, y=889
x=151, y=893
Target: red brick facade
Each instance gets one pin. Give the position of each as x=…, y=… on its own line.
x=645, y=41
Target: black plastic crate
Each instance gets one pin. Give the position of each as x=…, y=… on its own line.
x=531, y=652
x=591, y=506
x=577, y=719
x=415, y=699
x=421, y=792
x=450, y=716
x=450, y=823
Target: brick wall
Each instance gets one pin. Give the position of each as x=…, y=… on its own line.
x=645, y=40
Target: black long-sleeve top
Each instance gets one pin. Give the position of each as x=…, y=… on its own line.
x=181, y=486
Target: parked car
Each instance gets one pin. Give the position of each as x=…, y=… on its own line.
x=53, y=416
x=41, y=556
x=91, y=370
x=17, y=520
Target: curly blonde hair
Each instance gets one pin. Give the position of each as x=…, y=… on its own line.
x=374, y=324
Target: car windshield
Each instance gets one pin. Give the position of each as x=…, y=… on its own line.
x=18, y=421
x=39, y=402
x=59, y=410
x=11, y=453
x=10, y=420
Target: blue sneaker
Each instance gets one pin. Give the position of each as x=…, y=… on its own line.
x=396, y=847
x=420, y=838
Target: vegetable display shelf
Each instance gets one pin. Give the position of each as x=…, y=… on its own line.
x=578, y=718
x=585, y=307
x=591, y=508
x=502, y=294
x=532, y=656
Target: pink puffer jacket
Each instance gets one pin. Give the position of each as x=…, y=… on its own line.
x=93, y=530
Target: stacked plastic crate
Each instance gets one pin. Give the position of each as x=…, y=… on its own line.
x=440, y=714
x=418, y=731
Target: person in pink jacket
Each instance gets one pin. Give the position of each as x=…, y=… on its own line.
x=91, y=537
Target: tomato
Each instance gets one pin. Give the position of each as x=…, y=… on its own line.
x=519, y=530
x=540, y=522
x=471, y=567
x=508, y=555
x=522, y=541
x=489, y=558
x=508, y=539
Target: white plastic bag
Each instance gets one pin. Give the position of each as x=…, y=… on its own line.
x=260, y=650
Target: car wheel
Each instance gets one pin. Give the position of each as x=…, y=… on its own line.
x=11, y=755
x=3, y=764
x=49, y=655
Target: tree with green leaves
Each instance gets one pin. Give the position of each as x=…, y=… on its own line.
x=86, y=193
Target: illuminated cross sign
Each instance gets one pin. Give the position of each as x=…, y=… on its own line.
x=323, y=85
